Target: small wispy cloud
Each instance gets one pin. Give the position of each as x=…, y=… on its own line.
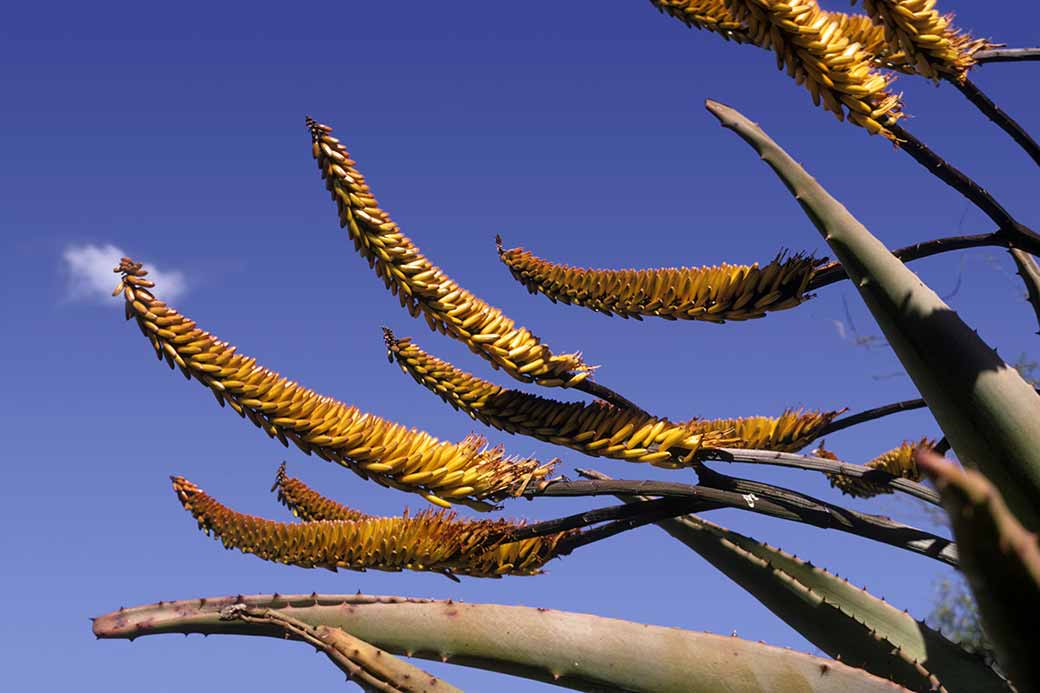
x=88, y=268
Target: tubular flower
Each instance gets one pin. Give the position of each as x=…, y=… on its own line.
x=789, y=432
x=710, y=15
x=309, y=505
x=934, y=47
x=713, y=294
x=429, y=541
x=859, y=28
x=594, y=428
x=838, y=72
x=387, y=452
x=424, y=288
x=899, y=462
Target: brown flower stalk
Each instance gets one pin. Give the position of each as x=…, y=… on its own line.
x=424, y=288
x=595, y=428
x=387, y=452
x=933, y=46
x=839, y=73
x=434, y=541
x=713, y=294
x=899, y=462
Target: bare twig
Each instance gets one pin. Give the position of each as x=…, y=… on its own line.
x=870, y=415
x=997, y=115
x=834, y=272
x=1007, y=55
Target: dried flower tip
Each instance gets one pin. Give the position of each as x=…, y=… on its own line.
x=430, y=541
x=387, y=452
x=713, y=294
x=423, y=287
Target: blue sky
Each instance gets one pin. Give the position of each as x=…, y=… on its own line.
x=175, y=133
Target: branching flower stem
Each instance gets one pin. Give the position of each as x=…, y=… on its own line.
x=764, y=499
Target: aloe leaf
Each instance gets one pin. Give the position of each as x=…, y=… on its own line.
x=844, y=621
x=1026, y=267
x=987, y=411
x=578, y=651
x=1002, y=563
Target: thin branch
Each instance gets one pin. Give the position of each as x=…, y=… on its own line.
x=834, y=272
x=791, y=460
x=1007, y=55
x=765, y=500
x=1019, y=234
x=870, y=415
x=1030, y=273
x=997, y=115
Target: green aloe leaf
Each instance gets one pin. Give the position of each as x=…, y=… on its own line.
x=844, y=621
x=987, y=411
x=1002, y=563
x=578, y=651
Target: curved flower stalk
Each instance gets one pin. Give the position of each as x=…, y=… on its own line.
x=578, y=651
x=927, y=37
x=424, y=288
x=430, y=541
x=717, y=17
x=713, y=294
x=899, y=462
x=599, y=429
x=838, y=72
x=387, y=452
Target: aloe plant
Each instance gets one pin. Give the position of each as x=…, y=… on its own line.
x=986, y=411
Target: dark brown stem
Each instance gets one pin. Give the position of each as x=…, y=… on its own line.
x=766, y=500
x=676, y=506
x=869, y=415
x=1007, y=55
x=1018, y=234
x=834, y=272
x=997, y=115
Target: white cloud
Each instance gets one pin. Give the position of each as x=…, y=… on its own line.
x=90, y=276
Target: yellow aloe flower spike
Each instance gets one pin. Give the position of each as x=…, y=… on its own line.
x=389, y=453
